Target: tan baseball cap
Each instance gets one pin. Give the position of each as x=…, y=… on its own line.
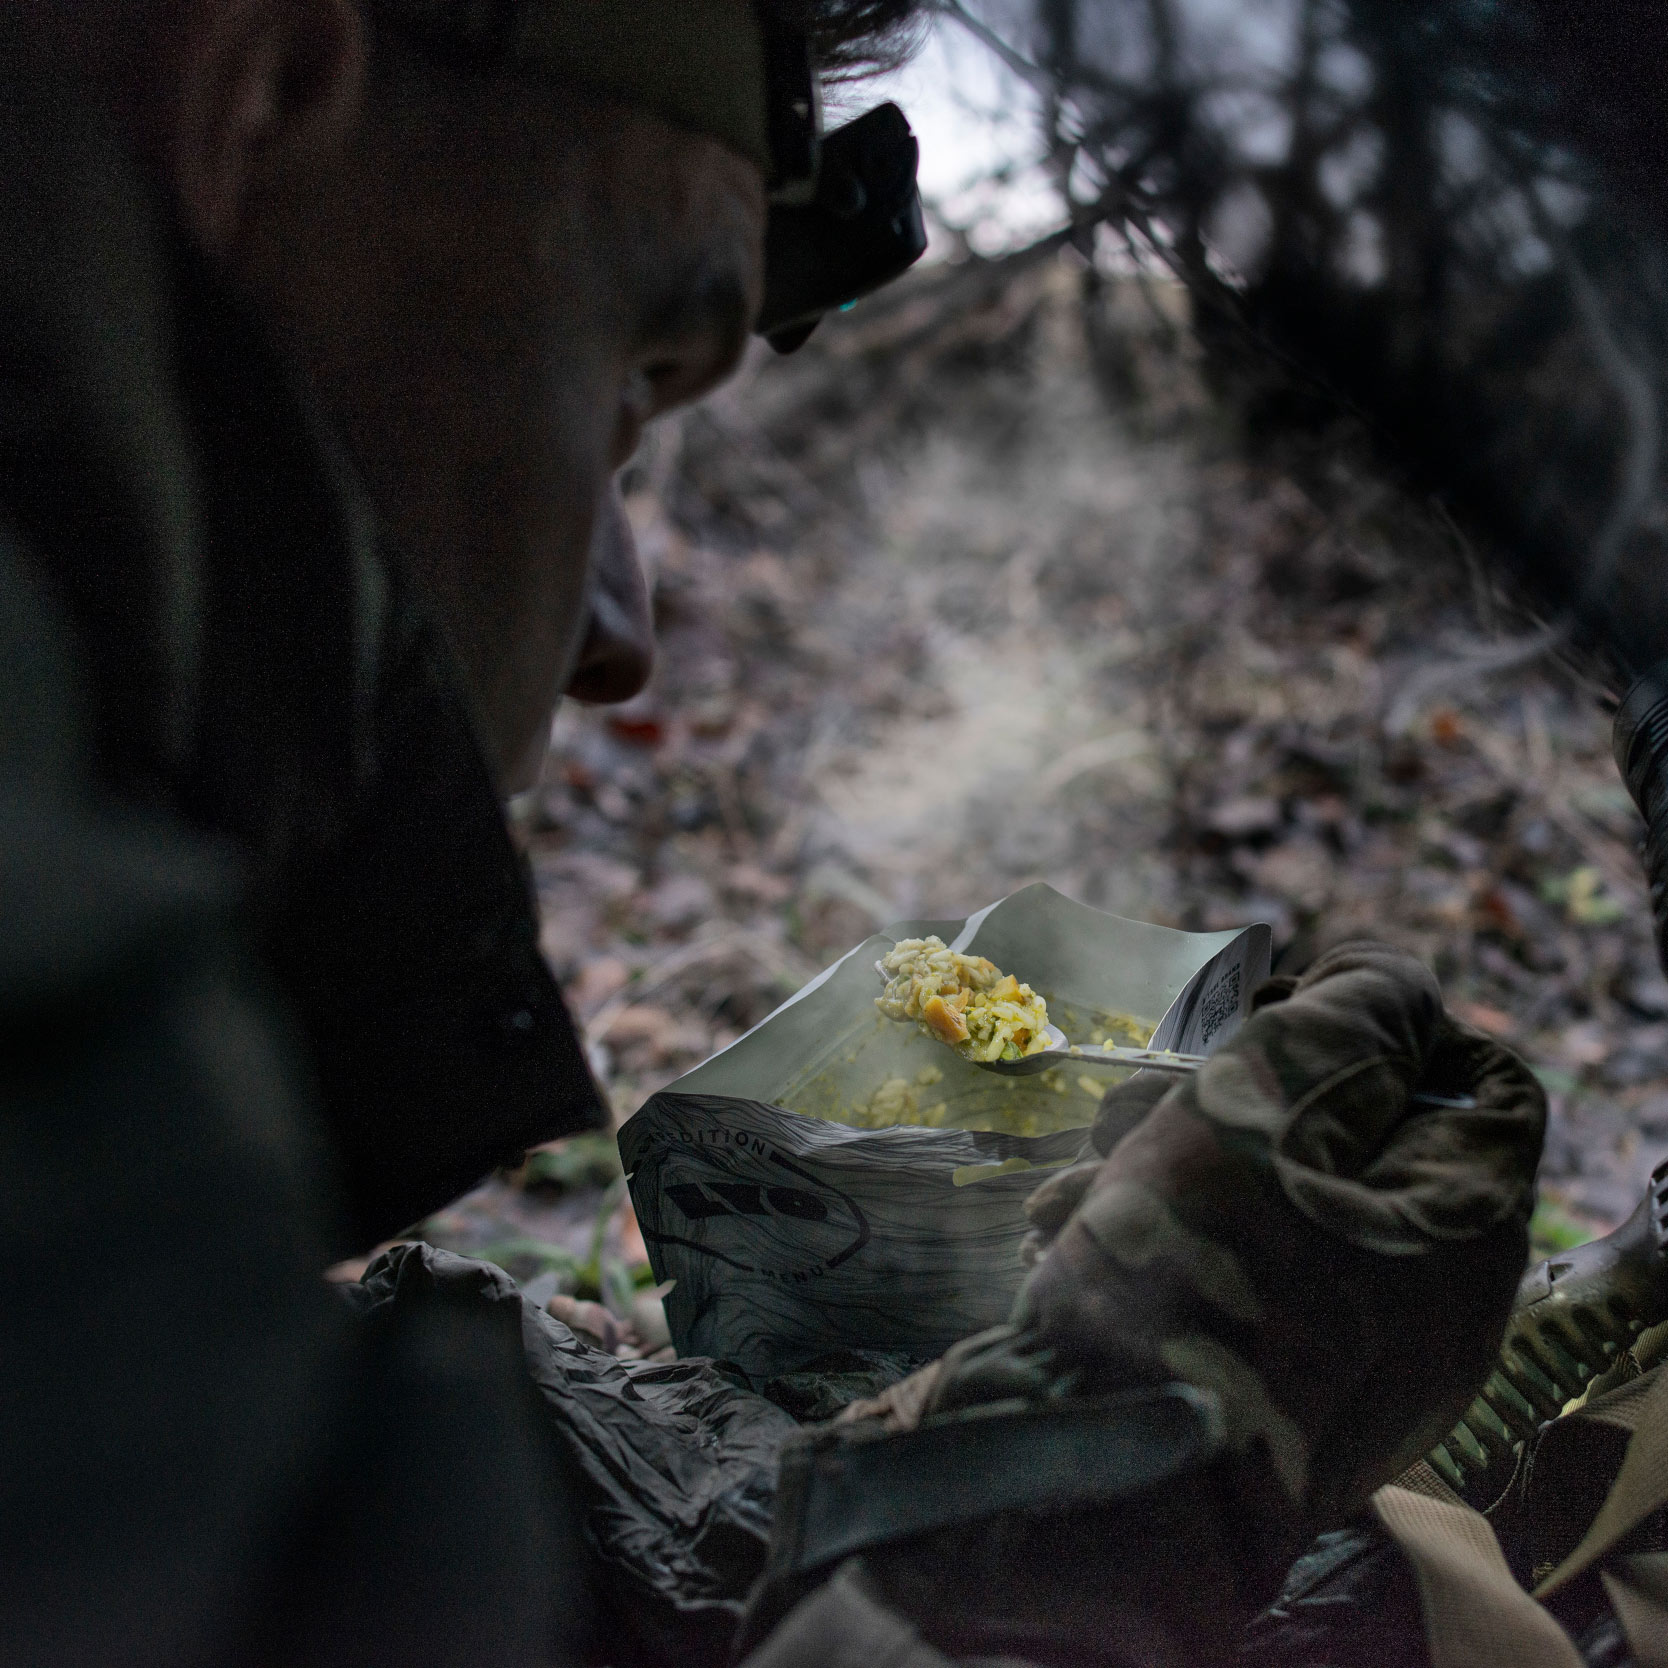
x=716, y=67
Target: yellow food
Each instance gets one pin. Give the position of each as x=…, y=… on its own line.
x=964, y=1001
x=896, y=1101
x=1130, y=1032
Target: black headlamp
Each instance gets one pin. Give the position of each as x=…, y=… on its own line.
x=845, y=211
x=861, y=229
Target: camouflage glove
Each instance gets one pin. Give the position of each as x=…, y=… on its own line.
x=1122, y=1107
x=1289, y=1229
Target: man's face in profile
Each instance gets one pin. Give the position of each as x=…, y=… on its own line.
x=493, y=284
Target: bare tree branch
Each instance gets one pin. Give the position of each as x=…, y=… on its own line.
x=1015, y=60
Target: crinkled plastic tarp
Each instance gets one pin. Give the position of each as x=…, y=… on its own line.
x=679, y=1464
x=1348, y=1602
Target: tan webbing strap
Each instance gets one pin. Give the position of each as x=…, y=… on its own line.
x=1641, y=1486
x=843, y=1625
x=1476, y=1615
x=1638, y=1592
x=1423, y=1478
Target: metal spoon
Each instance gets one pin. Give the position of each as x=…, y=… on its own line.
x=1060, y=1051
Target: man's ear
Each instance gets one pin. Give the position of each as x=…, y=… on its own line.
x=256, y=83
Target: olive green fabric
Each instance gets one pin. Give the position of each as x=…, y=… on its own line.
x=699, y=64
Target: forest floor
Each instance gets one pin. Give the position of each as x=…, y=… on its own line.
x=984, y=587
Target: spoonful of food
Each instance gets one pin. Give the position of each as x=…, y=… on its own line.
x=1002, y=1026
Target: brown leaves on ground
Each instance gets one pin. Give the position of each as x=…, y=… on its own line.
x=946, y=607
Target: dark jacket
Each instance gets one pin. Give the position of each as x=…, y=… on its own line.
x=255, y=673
x=269, y=991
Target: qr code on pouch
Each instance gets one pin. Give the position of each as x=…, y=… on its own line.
x=1220, y=1004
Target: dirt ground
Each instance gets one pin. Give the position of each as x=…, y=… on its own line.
x=984, y=587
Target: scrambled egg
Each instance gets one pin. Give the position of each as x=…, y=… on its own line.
x=962, y=1000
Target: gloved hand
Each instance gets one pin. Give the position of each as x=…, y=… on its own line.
x=1122, y=1107
x=1289, y=1229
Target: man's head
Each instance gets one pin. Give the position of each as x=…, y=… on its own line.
x=492, y=281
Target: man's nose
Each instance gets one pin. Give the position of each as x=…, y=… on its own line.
x=618, y=653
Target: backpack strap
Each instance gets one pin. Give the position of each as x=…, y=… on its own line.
x=1641, y=1486
x=1423, y=1478
x=1637, y=1588
x=1476, y=1615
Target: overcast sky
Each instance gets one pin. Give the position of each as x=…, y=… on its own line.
x=981, y=139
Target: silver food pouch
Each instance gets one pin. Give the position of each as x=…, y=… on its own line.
x=838, y=1181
